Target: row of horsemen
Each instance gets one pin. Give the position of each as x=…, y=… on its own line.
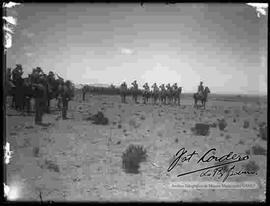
x=38, y=86
x=163, y=94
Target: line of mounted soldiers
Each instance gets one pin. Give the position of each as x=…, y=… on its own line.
x=39, y=86
x=164, y=94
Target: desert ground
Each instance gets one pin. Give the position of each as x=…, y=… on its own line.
x=76, y=160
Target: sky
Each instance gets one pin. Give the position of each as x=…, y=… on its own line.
x=223, y=45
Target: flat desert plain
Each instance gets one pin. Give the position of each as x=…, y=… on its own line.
x=76, y=160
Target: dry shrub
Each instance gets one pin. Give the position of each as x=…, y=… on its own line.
x=246, y=124
x=201, y=129
x=132, y=157
x=50, y=165
x=99, y=118
x=258, y=150
x=222, y=124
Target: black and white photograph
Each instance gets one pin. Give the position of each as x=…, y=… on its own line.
x=135, y=102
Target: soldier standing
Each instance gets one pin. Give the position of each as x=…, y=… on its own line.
x=66, y=96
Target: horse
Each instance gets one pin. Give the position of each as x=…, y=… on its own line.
x=155, y=95
x=202, y=97
x=162, y=95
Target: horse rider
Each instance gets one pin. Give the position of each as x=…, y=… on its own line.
x=168, y=86
x=146, y=89
x=124, y=85
x=135, y=90
x=200, y=89
x=155, y=88
x=174, y=86
x=135, y=85
x=163, y=93
x=146, y=92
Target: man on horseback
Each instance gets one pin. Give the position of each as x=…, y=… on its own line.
x=162, y=93
x=134, y=90
x=200, y=89
x=169, y=92
x=146, y=92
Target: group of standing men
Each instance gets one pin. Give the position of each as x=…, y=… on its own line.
x=41, y=87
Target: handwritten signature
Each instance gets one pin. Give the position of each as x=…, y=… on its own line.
x=208, y=157
x=221, y=172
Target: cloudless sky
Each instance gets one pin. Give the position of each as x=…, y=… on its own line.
x=223, y=45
